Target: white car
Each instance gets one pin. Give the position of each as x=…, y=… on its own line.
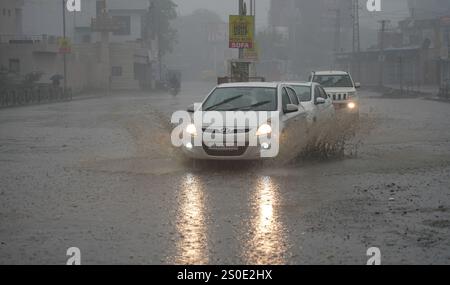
x=316, y=102
x=341, y=88
x=245, y=98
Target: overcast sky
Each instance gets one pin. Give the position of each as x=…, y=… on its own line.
x=224, y=8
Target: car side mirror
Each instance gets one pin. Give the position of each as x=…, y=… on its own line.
x=291, y=108
x=357, y=85
x=191, y=108
x=320, y=100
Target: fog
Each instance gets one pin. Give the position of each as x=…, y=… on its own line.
x=294, y=35
x=224, y=8
x=311, y=21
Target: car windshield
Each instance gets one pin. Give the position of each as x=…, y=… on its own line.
x=333, y=80
x=303, y=93
x=242, y=99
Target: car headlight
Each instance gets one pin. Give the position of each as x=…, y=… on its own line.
x=191, y=129
x=264, y=129
x=351, y=105
x=351, y=94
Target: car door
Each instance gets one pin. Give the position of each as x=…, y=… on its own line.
x=318, y=109
x=306, y=99
x=327, y=110
x=290, y=121
x=286, y=118
x=300, y=119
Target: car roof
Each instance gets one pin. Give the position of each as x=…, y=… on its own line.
x=330, y=72
x=250, y=84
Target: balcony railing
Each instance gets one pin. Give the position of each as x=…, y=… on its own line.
x=29, y=39
x=40, y=44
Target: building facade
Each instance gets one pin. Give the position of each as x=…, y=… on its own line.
x=11, y=17
x=420, y=9
x=120, y=57
x=414, y=53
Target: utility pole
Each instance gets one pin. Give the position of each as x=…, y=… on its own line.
x=356, y=46
x=64, y=52
x=252, y=66
x=337, y=31
x=382, y=55
x=157, y=9
x=400, y=61
x=155, y=15
x=448, y=43
x=241, y=13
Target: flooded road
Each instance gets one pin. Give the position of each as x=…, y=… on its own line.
x=100, y=174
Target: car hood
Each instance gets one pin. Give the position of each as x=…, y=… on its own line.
x=252, y=125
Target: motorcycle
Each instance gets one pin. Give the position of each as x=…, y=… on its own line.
x=173, y=79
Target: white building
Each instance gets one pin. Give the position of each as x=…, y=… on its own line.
x=10, y=17
x=123, y=61
x=45, y=17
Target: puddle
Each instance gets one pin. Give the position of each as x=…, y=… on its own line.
x=136, y=166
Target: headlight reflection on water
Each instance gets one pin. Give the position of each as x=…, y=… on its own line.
x=266, y=244
x=192, y=246
x=264, y=239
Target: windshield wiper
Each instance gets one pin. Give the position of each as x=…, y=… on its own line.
x=223, y=102
x=251, y=106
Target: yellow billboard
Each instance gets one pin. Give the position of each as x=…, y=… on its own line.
x=242, y=31
x=64, y=45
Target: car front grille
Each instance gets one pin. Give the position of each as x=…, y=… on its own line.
x=225, y=151
x=340, y=96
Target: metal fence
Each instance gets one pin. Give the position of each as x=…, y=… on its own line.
x=19, y=96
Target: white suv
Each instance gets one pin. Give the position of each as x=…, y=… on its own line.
x=340, y=87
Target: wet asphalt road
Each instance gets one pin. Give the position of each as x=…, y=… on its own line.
x=100, y=174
